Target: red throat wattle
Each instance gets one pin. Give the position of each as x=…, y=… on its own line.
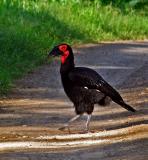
x=63, y=48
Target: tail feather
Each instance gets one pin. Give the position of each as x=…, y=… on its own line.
x=118, y=99
x=128, y=107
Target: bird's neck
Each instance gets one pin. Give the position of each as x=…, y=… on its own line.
x=68, y=65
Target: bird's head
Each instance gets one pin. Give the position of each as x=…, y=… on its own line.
x=62, y=50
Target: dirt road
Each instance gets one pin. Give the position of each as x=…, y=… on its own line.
x=37, y=106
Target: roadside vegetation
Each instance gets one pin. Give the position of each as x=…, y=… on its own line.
x=29, y=28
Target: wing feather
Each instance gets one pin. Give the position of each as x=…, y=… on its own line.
x=89, y=78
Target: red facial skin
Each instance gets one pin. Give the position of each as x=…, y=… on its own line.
x=63, y=48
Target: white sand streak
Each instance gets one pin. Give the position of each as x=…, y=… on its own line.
x=78, y=140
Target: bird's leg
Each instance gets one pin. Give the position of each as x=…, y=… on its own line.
x=87, y=122
x=68, y=123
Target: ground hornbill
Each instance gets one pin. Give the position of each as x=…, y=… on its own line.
x=84, y=86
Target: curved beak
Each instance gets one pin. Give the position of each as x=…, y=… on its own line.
x=53, y=53
x=50, y=55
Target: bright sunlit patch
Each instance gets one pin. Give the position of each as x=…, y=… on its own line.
x=109, y=67
x=70, y=141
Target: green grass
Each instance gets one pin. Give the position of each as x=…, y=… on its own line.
x=29, y=28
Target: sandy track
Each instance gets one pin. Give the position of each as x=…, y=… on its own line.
x=37, y=106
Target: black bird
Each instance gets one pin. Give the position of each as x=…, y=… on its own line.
x=84, y=86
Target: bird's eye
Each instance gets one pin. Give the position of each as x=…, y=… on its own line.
x=63, y=48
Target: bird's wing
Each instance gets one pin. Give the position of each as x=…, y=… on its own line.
x=92, y=80
x=84, y=77
x=89, y=78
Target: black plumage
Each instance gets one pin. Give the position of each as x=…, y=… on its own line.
x=84, y=86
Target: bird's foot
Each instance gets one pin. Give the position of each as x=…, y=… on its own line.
x=84, y=131
x=87, y=131
x=64, y=127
